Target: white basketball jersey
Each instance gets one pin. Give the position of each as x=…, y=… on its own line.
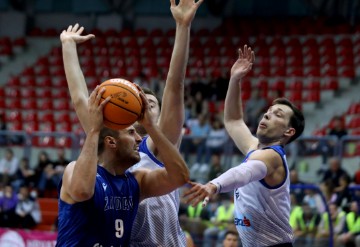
x=262, y=212
x=157, y=222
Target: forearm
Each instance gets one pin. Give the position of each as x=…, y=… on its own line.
x=172, y=112
x=177, y=171
x=233, y=103
x=76, y=82
x=252, y=170
x=84, y=174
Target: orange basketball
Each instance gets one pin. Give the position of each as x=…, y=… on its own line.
x=125, y=105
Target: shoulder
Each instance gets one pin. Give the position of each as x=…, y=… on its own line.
x=140, y=173
x=268, y=156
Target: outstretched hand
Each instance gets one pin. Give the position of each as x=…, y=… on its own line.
x=73, y=33
x=243, y=64
x=199, y=192
x=184, y=12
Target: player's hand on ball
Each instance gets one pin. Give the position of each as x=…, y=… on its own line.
x=73, y=33
x=96, y=108
x=146, y=118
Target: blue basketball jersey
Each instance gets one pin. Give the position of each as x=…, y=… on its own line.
x=106, y=219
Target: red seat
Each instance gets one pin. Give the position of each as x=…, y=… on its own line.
x=29, y=104
x=13, y=104
x=14, y=115
x=330, y=84
x=354, y=108
x=28, y=93
x=30, y=116
x=354, y=122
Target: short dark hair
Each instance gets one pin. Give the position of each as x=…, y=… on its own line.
x=231, y=232
x=149, y=91
x=104, y=133
x=297, y=120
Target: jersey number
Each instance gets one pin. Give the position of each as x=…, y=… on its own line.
x=119, y=228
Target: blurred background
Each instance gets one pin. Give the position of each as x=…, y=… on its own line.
x=306, y=50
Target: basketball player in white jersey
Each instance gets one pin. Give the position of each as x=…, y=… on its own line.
x=261, y=182
x=157, y=221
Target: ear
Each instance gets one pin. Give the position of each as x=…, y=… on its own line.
x=290, y=132
x=110, y=141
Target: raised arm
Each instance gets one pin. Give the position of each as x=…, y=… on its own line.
x=172, y=113
x=80, y=176
x=76, y=82
x=233, y=112
x=161, y=181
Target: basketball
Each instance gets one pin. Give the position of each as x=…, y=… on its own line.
x=125, y=105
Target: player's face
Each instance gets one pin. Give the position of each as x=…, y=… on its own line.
x=274, y=124
x=154, y=106
x=128, y=145
x=230, y=241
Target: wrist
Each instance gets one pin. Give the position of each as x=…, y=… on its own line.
x=67, y=41
x=215, y=187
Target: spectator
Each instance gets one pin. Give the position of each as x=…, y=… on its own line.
x=25, y=175
x=306, y=228
x=8, y=166
x=27, y=210
x=331, y=147
x=52, y=173
x=224, y=216
x=43, y=162
x=314, y=201
x=199, y=106
x=254, y=108
x=231, y=239
x=334, y=172
x=8, y=202
x=199, y=129
x=351, y=234
x=215, y=140
x=294, y=179
x=3, y=137
x=343, y=195
x=216, y=167
x=337, y=216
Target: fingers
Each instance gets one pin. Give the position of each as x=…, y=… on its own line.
x=198, y=3
x=75, y=28
x=205, y=202
x=172, y=3
x=99, y=95
x=104, y=102
x=69, y=28
x=81, y=29
x=241, y=55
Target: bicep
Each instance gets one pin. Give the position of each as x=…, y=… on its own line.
x=65, y=193
x=155, y=183
x=242, y=136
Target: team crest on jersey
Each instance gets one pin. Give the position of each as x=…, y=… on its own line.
x=104, y=185
x=237, y=194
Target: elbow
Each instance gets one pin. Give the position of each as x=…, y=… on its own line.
x=81, y=195
x=183, y=177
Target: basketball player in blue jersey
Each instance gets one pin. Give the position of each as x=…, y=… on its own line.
x=157, y=223
x=261, y=182
x=98, y=202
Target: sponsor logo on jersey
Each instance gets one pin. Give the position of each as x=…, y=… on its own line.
x=243, y=221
